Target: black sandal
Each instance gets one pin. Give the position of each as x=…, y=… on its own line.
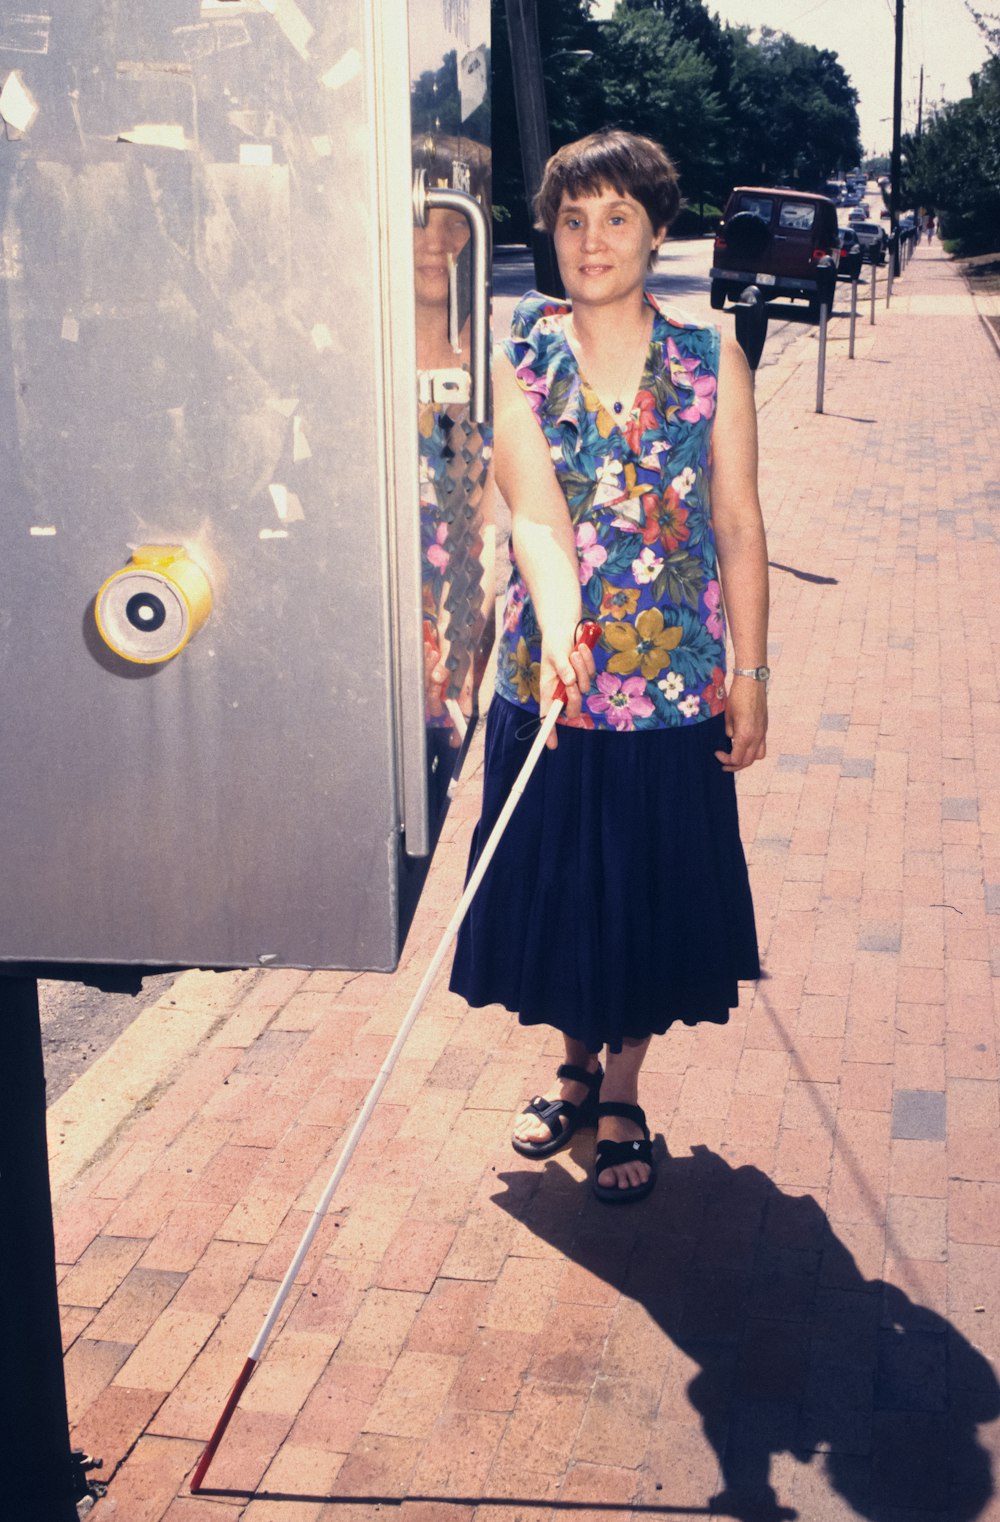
x=612, y=1154
x=553, y=1111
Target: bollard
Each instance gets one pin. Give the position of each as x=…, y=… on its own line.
x=873, y=282
x=890, y=261
x=854, y=316
x=824, y=317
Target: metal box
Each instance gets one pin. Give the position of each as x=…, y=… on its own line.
x=209, y=370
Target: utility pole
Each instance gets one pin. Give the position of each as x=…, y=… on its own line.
x=532, y=128
x=920, y=103
x=897, y=121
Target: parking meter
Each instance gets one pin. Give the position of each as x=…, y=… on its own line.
x=751, y=324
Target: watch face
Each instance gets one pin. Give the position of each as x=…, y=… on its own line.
x=763, y=673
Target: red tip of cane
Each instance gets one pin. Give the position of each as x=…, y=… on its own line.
x=222, y=1424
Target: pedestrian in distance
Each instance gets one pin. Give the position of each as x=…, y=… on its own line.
x=618, y=902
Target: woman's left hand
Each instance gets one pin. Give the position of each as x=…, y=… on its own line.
x=746, y=724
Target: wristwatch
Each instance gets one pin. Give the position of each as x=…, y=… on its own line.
x=759, y=673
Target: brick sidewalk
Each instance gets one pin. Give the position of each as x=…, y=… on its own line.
x=810, y=1298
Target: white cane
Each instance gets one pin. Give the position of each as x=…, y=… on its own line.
x=589, y=634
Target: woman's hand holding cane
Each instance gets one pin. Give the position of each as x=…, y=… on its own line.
x=565, y=681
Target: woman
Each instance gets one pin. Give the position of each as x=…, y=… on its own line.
x=618, y=902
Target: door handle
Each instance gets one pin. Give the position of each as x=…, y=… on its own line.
x=424, y=201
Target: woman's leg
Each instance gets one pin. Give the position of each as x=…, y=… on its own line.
x=621, y=1083
x=529, y=1128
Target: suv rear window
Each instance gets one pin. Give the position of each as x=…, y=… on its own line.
x=800, y=217
x=757, y=206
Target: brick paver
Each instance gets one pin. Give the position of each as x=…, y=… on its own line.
x=806, y=1313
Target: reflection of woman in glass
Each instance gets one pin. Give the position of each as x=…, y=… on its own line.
x=618, y=902
x=453, y=452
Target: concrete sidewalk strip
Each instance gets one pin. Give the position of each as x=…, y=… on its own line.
x=84, y=1121
x=805, y=1314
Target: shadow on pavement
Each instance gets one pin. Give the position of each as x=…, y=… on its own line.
x=798, y=1353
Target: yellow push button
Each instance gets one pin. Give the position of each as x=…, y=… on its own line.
x=147, y=611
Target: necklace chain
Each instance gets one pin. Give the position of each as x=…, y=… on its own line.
x=618, y=405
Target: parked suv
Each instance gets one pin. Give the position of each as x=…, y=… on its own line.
x=783, y=241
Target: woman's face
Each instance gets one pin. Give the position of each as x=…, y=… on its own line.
x=603, y=243
x=435, y=248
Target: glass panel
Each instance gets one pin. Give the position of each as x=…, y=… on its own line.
x=757, y=206
x=450, y=116
x=799, y=217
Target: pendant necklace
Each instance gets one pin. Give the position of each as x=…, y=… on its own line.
x=618, y=405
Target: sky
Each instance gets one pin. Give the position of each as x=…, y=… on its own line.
x=940, y=34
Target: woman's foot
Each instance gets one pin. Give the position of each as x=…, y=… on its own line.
x=545, y=1127
x=623, y=1170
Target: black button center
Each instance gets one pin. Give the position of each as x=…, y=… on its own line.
x=145, y=612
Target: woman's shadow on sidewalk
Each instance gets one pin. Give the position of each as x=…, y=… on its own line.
x=798, y=1352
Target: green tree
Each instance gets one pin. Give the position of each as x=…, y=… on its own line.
x=656, y=81
x=794, y=111
x=953, y=168
x=731, y=107
x=573, y=92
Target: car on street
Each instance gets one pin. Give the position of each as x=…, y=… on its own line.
x=859, y=214
x=781, y=240
x=850, y=253
x=873, y=241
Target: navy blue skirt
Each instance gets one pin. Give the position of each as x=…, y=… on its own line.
x=618, y=900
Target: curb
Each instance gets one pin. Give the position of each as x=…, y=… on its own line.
x=986, y=307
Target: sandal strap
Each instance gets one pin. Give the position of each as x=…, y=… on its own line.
x=612, y=1154
x=634, y=1113
x=573, y=1074
x=550, y=1112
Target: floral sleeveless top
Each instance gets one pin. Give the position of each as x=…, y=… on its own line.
x=638, y=496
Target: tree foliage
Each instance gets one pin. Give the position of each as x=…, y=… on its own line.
x=953, y=167
x=730, y=106
x=794, y=111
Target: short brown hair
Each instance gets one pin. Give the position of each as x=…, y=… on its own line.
x=623, y=161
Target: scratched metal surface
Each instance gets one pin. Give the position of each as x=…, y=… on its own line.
x=189, y=351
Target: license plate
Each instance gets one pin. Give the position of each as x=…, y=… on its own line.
x=765, y=279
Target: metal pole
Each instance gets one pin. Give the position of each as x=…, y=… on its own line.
x=897, y=118
x=824, y=312
x=890, y=266
x=854, y=316
x=532, y=129
x=872, y=282
x=43, y=1481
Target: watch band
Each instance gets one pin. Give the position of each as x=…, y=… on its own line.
x=758, y=673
